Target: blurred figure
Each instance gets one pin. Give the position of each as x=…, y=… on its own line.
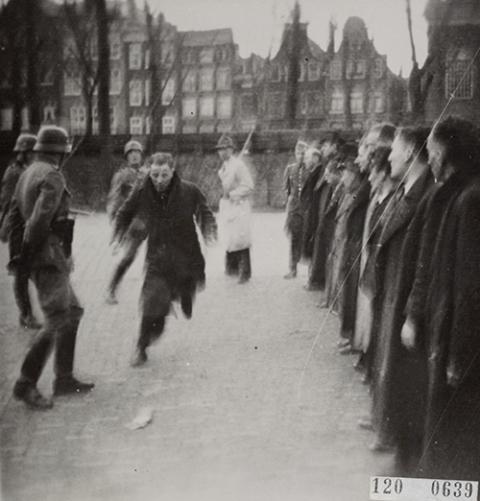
x=309, y=200
x=323, y=192
x=122, y=185
x=294, y=179
x=168, y=208
x=24, y=156
x=382, y=188
x=347, y=242
x=236, y=211
x=41, y=204
x=379, y=136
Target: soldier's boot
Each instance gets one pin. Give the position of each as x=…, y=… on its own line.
x=20, y=288
x=65, y=383
x=28, y=393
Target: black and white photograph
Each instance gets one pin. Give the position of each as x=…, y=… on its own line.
x=239, y=250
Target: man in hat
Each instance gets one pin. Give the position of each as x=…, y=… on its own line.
x=41, y=203
x=235, y=210
x=24, y=153
x=294, y=179
x=122, y=184
x=166, y=207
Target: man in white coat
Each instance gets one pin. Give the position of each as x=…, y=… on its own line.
x=235, y=210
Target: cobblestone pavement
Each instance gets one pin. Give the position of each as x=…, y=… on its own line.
x=250, y=399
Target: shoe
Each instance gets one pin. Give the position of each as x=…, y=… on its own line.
x=68, y=385
x=365, y=379
x=139, y=357
x=29, y=322
x=291, y=274
x=111, y=298
x=365, y=424
x=359, y=365
x=343, y=342
x=243, y=280
x=29, y=394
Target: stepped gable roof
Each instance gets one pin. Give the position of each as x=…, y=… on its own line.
x=356, y=27
x=207, y=37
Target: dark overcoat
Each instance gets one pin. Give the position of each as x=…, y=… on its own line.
x=322, y=234
x=388, y=309
x=452, y=338
x=350, y=259
x=9, y=182
x=309, y=200
x=174, y=256
x=293, y=181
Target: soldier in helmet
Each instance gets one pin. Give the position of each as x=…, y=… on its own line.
x=24, y=153
x=41, y=204
x=122, y=184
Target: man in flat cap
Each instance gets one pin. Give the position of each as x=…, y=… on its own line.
x=235, y=210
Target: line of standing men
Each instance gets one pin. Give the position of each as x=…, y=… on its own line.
x=396, y=254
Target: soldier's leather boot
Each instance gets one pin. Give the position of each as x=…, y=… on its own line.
x=28, y=393
x=69, y=385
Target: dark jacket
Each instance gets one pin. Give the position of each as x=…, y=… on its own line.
x=9, y=182
x=309, y=200
x=168, y=221
x=294, y=178
x=350, y=261
x=452, y=335
x=322, y=235
x=388, y=309
x=39, y=212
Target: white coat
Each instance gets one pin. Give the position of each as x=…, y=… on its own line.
x=235, y=205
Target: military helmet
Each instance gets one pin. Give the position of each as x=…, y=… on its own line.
x=132, y=146
x=25, y=142
x=53, y=139
x=225, y=142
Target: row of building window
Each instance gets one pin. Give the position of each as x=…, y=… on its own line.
x=206, y=79
x=72, y=83
x=70, y=49
x=207, y=106
x=6, y=117
x=356, y=69
x=206, y=55
x=311, y=103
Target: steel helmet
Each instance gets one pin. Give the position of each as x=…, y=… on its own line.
x=25, y=142
x=53, y=139
x=132, y=146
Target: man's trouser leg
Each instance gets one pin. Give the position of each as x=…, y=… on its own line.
x=20, y=290
x=245, y=268
x=295, y=250
x=232, y=261
x=155, y=305
x=56, y=302
x=122, y=267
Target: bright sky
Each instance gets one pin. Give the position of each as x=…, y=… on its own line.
x=257, y=24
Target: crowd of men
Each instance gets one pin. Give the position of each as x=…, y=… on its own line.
x=391, y=231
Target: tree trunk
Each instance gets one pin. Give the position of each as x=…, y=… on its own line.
x=88, y=100
x=33, y=98
x=103, y=71
x=293, y=67
x=104, y=90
